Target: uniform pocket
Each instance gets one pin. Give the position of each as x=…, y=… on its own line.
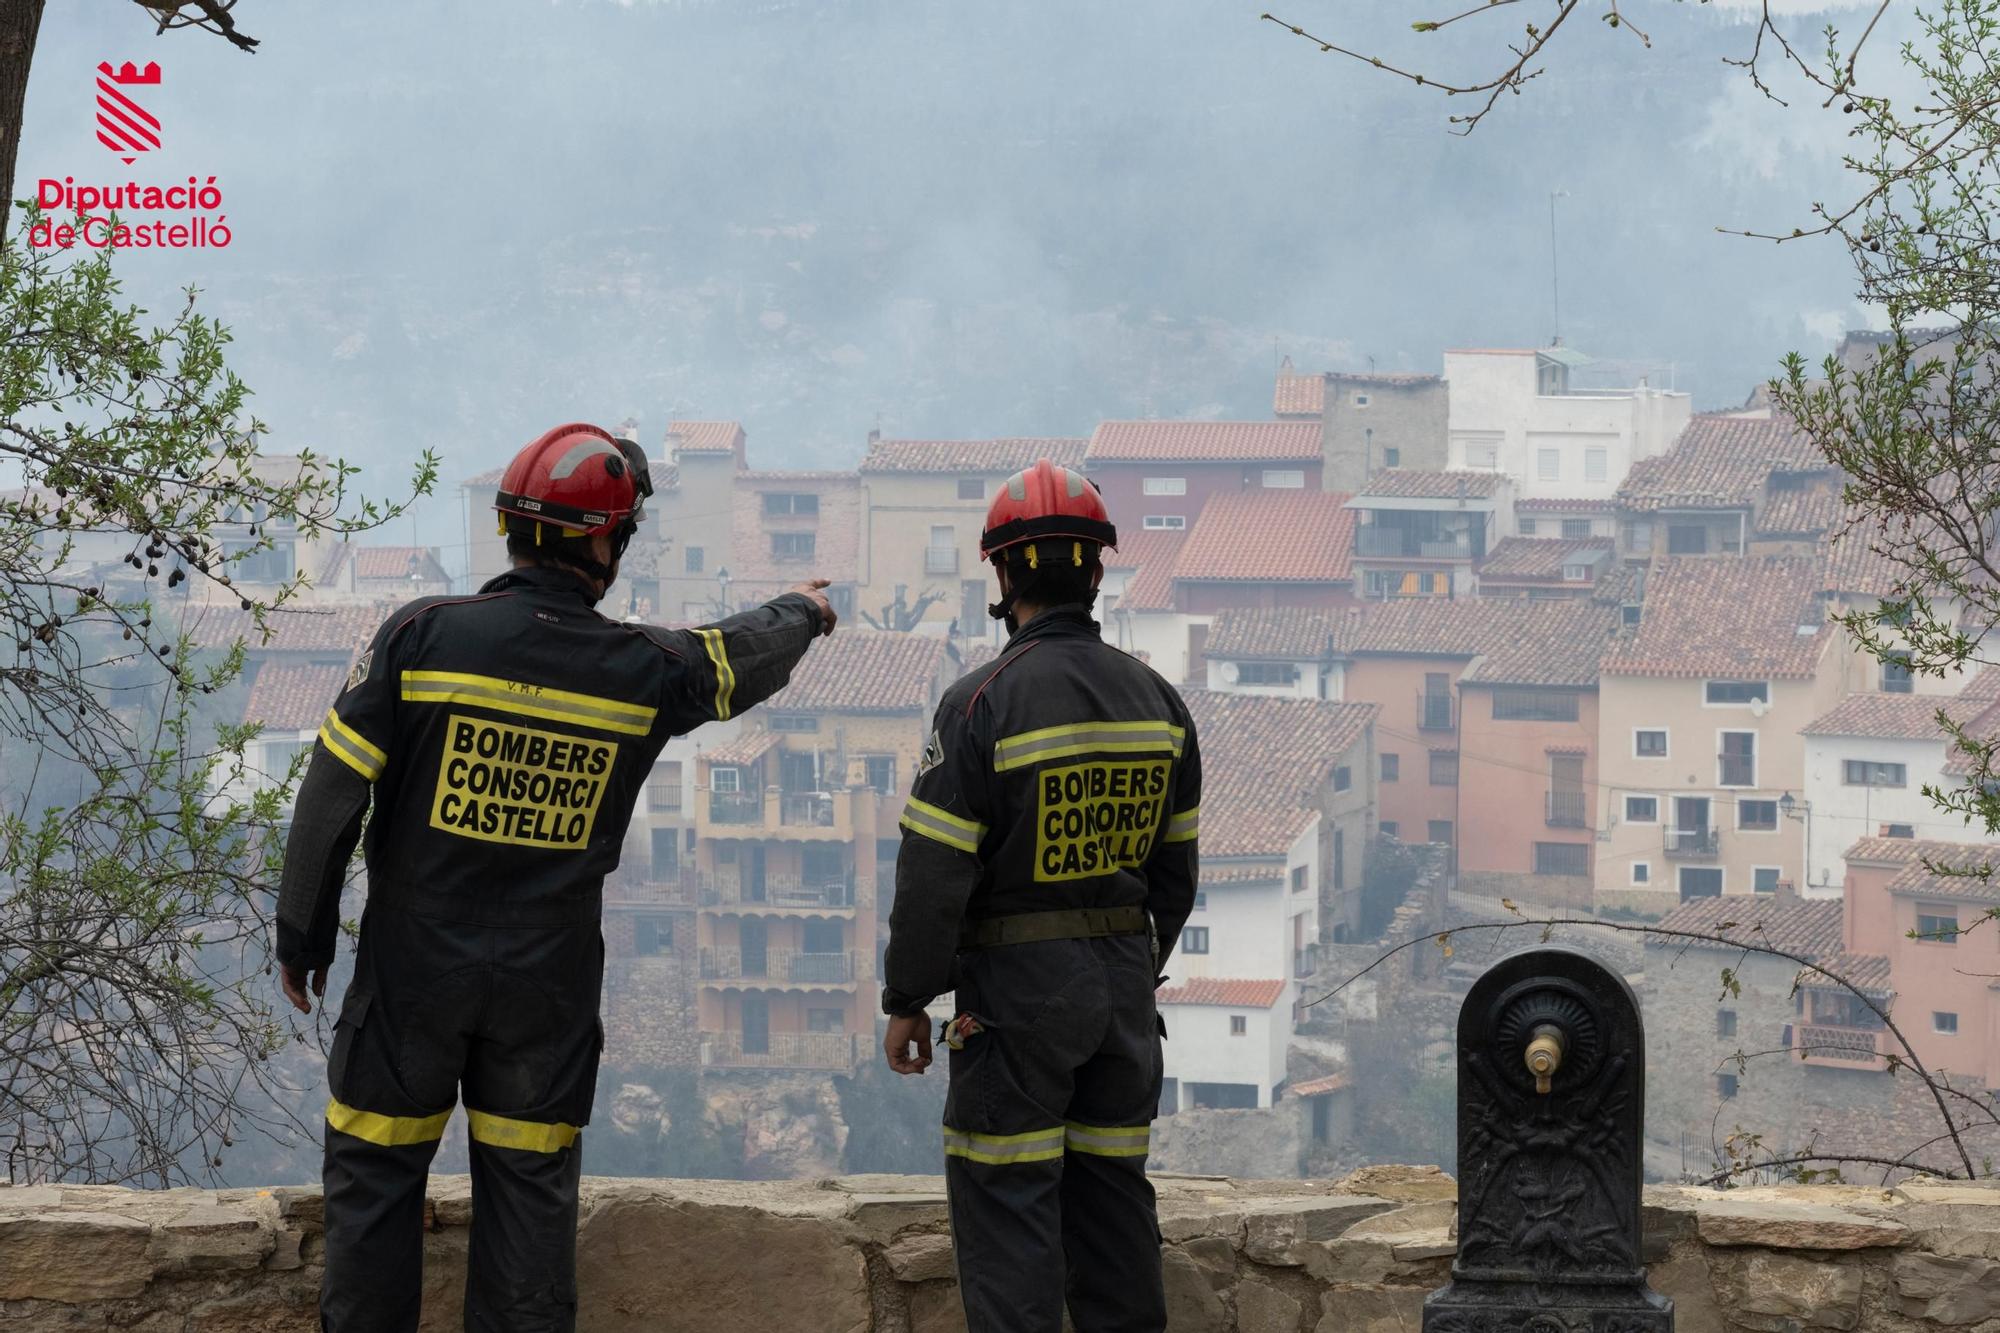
x=354, y=1008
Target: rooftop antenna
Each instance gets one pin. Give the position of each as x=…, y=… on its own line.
x=1555, y=289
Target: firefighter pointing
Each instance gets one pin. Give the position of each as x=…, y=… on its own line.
x=1048, y=864
x=504, y=739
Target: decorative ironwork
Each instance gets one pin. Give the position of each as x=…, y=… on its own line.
x=1551, y=1095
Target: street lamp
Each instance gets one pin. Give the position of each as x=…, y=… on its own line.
x=722, y=582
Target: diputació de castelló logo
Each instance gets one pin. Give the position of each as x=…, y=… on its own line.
x=129, y=128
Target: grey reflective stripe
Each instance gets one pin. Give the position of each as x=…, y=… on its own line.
x=1038, y=1145
x=1075, y=481
x=1083, y=739
x=579, y=451
x=940, y=826
x=1017, y=486
x=1130, y=1141
x=557, y=705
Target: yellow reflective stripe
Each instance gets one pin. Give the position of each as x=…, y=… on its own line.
x=1183, y=827
x=351, y=747
x=1032, y=747
x=1037, y=1145
x=942, y=826
x=513, y=696
x=725, y=675
x=1099, y=1141
x=390, y=1131
x=527, y=1135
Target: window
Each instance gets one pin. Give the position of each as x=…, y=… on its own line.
x=1639, y=537
x=1649, y=744
x=1642, y=809
x=1562, y=858
x=1343, y=777
x=1164, y=486
x=1166, y=522
x=1444, y=768
x=1866, y=773
x=1239, y=1025
x=1725, y=1087
x=1339, y=862
x=1392, y=767
x=1361, y=400
x=1576, y=529
x=1299, y=878
x=1764, y=879
x=1484, y=457
x=1700, y=882
x=1392, y=456
x=971, y=488
x=695, y=557
x=1596, y=465
x=1899, y=830
x=1548, y=464
x=1937, y=926
x=1757, y=816
x=793, y=722
x=781, y=502
x=1266, y=673
x=1284, y=479
x=881, y=772
x=1194, y=939
x=1386, y=827
x=1642, y=872
x=652, y=935
x=791, y=546
x=1439, y=832
x=1736, y=763
x=1896, y=675
x=1200, y=899
x=1534, y=706
x=1725, y=1022
x=1735, y=692
x=1578, y=573
x=1631, y=613
x=725, y=779
x=1527, y=526
x=1686, y=539
x=1944, y=1024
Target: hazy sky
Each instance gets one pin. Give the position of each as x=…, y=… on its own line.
x=459, y=222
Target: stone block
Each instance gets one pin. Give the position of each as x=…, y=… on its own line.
x=1183, y=1221
x=646, y=1262
x=1349, y=1262
x=1262, y=1308
x=287, y=1251
x=923, y=1256
x=1783, y=1293
x=1405, y=1184
x=1412, y=1220
x=1371, y=1310
x=1275, y=1231
x=881, y=1216
x=209, y=1239
x=287, y=1305
x=1948, y=1289
x=1192, y=1305
x=936, y=1309
x=73, y=1257
x=1217, y=1258
x=1789, y=1224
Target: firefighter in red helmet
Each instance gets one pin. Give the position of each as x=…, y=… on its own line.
x=1048, y=864
x=503, y=738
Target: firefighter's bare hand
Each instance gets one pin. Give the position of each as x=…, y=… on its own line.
x=813, y=591
x=297, y=981
x=903, y=1032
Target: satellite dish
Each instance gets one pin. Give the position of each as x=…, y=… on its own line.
x=1230, y=673
x=1759, y=707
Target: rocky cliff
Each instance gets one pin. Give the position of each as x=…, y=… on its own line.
x=872, y=1254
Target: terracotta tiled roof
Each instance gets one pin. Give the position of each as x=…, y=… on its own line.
x=1317, y=1087
x=1228, y=992
x=1205, y=442
x=745, y=748
x=1298, y=395
x=1806, y=512
x=1982, y=726
x=1866, y=971
x=1284, y=634
x=320, y=630
x=1895, y=716
x=1256, y=870
x=1002, y=456
x=1860, y=556
x=836, y=530
x=1264, y=764
x=1979, y=864
x=1271, y=536
x=1540, y=557
x=1563, y=504
x=1393, y=378
x=1409, y=483
x=289, y=696
x=1719, y=462
x=866, y=671
x=1736, y=617
x=398, y=563
x=1545, y=643
x=973, y=656
x=1620, y=583
x=704, y=437
x=1809, y=928
x=1874, y=850
x=1985, y=685
x=1150, y=554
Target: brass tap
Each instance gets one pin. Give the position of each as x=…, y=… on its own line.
x=1545, y=1055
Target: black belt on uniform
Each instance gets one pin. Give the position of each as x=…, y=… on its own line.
x=1069, y=923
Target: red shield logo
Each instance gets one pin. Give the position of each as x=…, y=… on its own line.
x=123, y=126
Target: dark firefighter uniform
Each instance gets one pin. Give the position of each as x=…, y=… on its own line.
x=506, y=737
x=1048, y=865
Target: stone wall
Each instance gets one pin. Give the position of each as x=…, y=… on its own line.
x=872, y=1254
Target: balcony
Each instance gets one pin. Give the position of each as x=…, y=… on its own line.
x=1689, y=844
x=1374, y=540
x=812, y=809
x=1436, y=712
x=665, y=889
x=1837, y=1047
x=782, y=893
x=735, y=807
x=781, y=967
x=783, y=1050
x=662, y=799
x=1565, y=809
x=941, y=560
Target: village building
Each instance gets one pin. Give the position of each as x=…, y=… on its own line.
x=792, y=526
x=1159, y=474
x=1369, y=420
x=1546, y=568
x=1420, y=534
x=1288, y=652
x=380, y=573
x=1702, y=496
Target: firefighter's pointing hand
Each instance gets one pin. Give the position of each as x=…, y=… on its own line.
x=812, y=591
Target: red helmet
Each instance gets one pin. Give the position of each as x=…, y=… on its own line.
x=1046, y=502
x=579, y=479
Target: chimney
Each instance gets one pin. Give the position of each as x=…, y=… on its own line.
x=874, y=436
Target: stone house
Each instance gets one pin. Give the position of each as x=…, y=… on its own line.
x=789, y=526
